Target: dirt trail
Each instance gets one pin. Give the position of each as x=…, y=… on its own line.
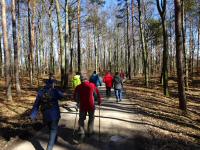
x=119, y=125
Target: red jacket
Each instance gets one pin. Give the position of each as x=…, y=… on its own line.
x=84, y=94
x=108, y=80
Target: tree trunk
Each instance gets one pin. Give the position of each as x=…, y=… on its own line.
x=78, y=36
x=1, y=59
x=15, y=43
x=183, y=22
x=51, y=63
x=31, y=46
x=198, y=45
x=127, y=36
x=61, y=38
x=7, y=51
x=144, y=50
x=179, y=56
x=133, y=38
x=162, y=12
x=66, y=43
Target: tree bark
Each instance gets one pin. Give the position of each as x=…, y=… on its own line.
x=179, y=56
x=78, y=36
x=31, y=42
x=7, y=51
x=15, y=43
x=66, y=43
x=162, y=12
x=183, y=22
x=61, y=38
x=144, y=50
x=1, y=59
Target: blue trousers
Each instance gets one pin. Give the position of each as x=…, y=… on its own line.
x=53, y=128
x=118, y=94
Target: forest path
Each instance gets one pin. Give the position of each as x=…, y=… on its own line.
x=119, y=126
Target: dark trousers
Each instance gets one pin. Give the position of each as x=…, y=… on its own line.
x=108, y=91
x=82, y=117
x=53, y=129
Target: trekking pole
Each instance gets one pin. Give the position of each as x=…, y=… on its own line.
x=75, y=122
x=99, y=122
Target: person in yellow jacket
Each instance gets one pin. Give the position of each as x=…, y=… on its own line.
x=76, y=80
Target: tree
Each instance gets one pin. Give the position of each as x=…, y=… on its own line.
x=183, y=22
x=144, y=49
x=15, y=43
x=61, y=40
x=78, y=36
x=31, y=30
x=179, y=56
x=161, y=6
x=7, y=51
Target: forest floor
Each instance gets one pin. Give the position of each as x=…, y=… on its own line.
x=166, y=126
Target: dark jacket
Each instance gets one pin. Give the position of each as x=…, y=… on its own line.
x=96, y=80
x=117, y=82
x=50, y=109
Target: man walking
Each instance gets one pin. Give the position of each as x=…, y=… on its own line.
x=84, y=95
x=47, y=100
x=95, y=79
x=108, y=80
x=118, y=85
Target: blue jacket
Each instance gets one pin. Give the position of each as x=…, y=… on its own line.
x=52, y=113
x=96, y=80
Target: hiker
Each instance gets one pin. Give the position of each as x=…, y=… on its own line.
x=108, y=80
x=84, y=95
x=76, y=80
x=122, y=75
x=118, y=85
x=47, y=101
x=95, y=79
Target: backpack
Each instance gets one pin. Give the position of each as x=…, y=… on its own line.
x=46, y=99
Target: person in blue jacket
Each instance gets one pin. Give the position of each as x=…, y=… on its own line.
x=95, y=79
x=47, y=101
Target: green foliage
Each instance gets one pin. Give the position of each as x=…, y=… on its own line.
x=189, y=5
x=155, y=31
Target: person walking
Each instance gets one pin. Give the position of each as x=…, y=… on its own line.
x=47, y=101
x=76, y=80
x=118, y=85
x=108, y=80
x=84, y=96
x=95, y=79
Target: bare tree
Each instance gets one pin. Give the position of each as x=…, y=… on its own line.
x=162, y=11
x=179, y=56
x=15, y=43
x=7, y=51
x=61, y=39
x=78, y=35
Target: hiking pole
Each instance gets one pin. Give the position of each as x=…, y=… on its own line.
x=99, y=121
x=75, y=122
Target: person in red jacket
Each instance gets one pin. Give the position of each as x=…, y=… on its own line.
x=108, y=80
x=84, y=95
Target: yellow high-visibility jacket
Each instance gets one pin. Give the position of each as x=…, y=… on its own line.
x=76, y=81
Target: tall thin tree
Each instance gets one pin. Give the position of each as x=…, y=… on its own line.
x=162, y=11
x=78, y=35
x=179, y=56
x=62, y=46
x=15, y=44
x=7, y=51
